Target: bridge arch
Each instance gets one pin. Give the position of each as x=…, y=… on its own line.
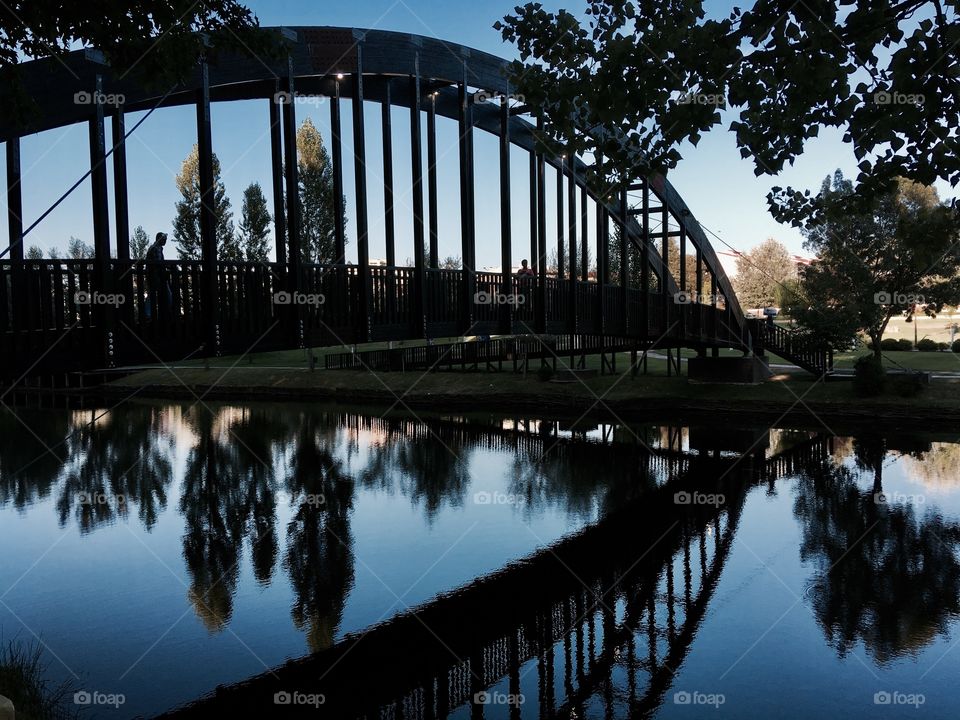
x=229, y=307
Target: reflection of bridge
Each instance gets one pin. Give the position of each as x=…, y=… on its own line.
x=228, y=307
x=602, y=620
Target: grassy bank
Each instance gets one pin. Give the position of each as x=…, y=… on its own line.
x=621, y=394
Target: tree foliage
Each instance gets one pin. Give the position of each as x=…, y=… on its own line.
x=639, y=77
x=139, y=242
x=876, y=258
x=255, y=224
x=34, y=253
x=762, y=274
x=186, y=224
x=317, y=210
x=155, y=41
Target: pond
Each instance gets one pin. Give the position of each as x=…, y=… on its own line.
x=374, y=564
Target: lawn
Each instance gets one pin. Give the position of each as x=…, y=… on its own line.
x=927, y=361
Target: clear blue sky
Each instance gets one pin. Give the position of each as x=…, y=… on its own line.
x=719, y=186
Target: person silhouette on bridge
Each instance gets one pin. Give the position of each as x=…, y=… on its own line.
x=159, y=294
x=525, y=271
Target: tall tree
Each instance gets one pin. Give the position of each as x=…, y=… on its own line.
x=77, y=249
x=762, y=273
x=317, y=211
x=876, y=257
x=186, y=224
x=254, y=224
x=34, y=253
x=139, y=242
x=637, y=79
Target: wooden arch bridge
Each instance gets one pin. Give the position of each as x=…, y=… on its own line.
x=51, y=321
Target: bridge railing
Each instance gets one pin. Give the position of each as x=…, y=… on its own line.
x=162, y=312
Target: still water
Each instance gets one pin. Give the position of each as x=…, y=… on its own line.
x=359, y=565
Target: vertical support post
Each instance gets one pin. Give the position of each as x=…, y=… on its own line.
x=15, y=229
x=360, y=183
x=466, y=202
x=624, y=259
x=432, y=180
x=683, y=258
x=506, y=239
x=645, y=263
x=101, y=223
x=208, y=236
x=14, y=200
x=276, y=176
x=665, y=259
x=572, y=240
x=534, y=245
x=293, y=251
x=584, y=224
x=121, y=207
x=336, y=140
x=416, y=165
x=121, y=211
x=386, y=127
x=541, y=235
x=561, y=250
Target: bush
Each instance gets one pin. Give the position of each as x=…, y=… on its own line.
x=904, y=344
x=956, y=346
x=889, y=344
x=943, y=346
x=869, y=377
x=927, y=345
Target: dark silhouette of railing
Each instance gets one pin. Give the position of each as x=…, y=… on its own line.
x=795, y=346
x=52, y=314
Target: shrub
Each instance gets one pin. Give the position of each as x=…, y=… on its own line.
x=956, y=346
x=889, y=344
x=927, y=345
x=904, y=344
x=943, y=346
x=869, y=377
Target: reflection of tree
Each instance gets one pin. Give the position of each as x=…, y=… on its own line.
x=887, y=577
x=115, y=460
x=938, y=468
x=431, y=467
x=319, y=555
x=28, y=470
x=213, y=504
